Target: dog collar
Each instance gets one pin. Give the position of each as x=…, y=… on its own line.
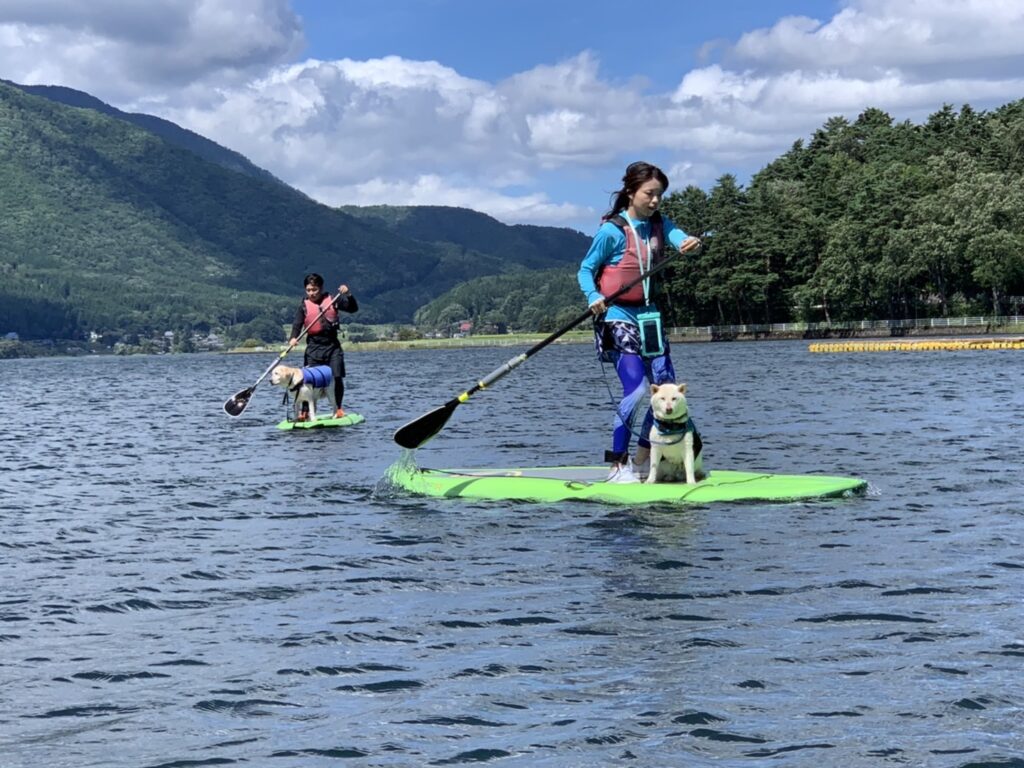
x=674, y=427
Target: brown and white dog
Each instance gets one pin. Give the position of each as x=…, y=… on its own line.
x=294, y=380
x=673, y=437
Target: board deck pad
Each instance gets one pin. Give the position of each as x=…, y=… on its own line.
x=323, y=421
x=588, y=483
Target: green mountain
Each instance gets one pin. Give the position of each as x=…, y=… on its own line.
x=111, y=227
x=536, y=300
x=165, y=129
x=530, y=246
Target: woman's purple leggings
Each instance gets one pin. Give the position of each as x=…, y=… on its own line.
x=634, y=371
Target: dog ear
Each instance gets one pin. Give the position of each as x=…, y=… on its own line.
x=654, y=388
x=682, y=389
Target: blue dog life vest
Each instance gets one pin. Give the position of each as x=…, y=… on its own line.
x=317, y=376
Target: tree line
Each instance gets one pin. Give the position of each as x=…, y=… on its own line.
x=869, y=219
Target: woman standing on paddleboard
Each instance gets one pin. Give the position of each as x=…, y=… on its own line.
x=629, y=333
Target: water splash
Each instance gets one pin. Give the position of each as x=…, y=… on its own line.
x=389, y=486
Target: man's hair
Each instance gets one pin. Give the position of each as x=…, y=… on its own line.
x=313, y=279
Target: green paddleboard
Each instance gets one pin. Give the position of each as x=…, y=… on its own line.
x=323, y=421
x=587, y=483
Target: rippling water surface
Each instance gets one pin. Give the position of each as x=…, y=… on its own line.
x=184, y=589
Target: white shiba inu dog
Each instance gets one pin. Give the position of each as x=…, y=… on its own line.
x=673, y=456
x=308, y=385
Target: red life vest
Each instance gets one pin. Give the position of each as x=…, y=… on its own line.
x=614, y=277
x=316, y=325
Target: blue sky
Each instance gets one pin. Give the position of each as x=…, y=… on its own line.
x=492, y=40
x=525, y=110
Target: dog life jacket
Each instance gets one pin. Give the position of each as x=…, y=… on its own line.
x=614, y=277
x=315, y=325
x=317, y=376
x=675, y=427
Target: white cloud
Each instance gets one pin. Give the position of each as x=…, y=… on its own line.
x=121, y=51
x=913, y=36
x=907, y=57
x=393, y=130
x=432, y=189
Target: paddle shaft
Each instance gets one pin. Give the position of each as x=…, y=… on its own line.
x=515, y=362
x=243, y=396
x=420, y=430
x=298, y=338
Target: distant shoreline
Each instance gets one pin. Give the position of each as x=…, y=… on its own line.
x=31, y=349
x=676, y=337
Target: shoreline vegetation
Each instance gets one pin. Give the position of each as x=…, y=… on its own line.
x=867, y=329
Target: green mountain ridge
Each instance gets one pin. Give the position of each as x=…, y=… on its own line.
x=530, y=246
x=165, y=129
x=107, y=226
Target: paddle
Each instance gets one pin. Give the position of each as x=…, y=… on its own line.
x=419, y=431
x=235, y=404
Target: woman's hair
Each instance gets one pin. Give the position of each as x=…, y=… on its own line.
x=636, y=175
x=313, y=279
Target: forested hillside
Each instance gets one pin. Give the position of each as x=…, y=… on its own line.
x=107, y=227
x=529, y=246
x=538, y=300
x=869, y=219
x=165, y=129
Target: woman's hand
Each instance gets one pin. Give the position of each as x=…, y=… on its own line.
x=691, y=243
x=598, y=307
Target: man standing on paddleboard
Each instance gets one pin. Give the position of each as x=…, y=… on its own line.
x=322, y=345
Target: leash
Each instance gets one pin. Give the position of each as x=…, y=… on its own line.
x=632, y=417
x=615, y=404
x=665, y=427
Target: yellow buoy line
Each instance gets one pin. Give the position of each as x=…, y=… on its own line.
x=916, y=345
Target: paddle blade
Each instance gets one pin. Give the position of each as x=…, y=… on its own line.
x=417, y=432
x=235, y=404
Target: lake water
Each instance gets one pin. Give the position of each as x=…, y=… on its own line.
x=185, y=589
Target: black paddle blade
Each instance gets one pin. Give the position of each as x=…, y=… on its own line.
x=417, y=432
x=235, y=404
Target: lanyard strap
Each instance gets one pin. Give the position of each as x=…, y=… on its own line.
x=640, y=254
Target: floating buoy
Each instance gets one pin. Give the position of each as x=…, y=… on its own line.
x=929, y=345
